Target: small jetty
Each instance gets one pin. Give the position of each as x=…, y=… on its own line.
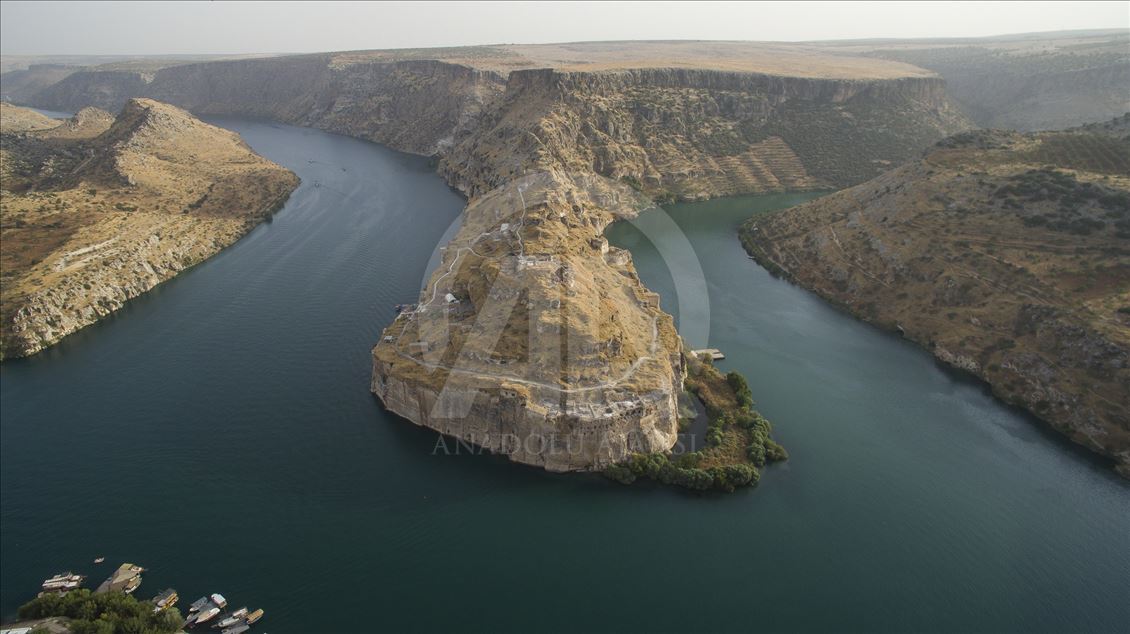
x=714, y=353
x=125, y=579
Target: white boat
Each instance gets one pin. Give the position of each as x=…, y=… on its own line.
x=99, y=560
x=219, y=600
x=63, y=582
x=239, y=629
x=197, y=604
x=229, y=621
x=63, y=578
x=207, y=614
x=233, y=618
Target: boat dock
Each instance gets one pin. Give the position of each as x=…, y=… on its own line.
x=210, y=608
x=125, y=579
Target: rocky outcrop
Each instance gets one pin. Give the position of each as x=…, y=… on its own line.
x=413, y=105
x=1002, y=265
x=534, y=338
x=98, y=210
x=691, y=134
x=537, y=340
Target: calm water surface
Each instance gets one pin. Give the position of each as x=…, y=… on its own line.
x=219, y=431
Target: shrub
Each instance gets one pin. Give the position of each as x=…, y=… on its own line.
x=106, y=613
x=741, y=389
x=729, y=477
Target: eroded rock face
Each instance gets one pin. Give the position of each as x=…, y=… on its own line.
x=999, y=263
x=534, y=338
x=411, y=105
x=98, y=210
x=691, y=134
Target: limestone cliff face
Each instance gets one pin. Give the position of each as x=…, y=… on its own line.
x=690, y=134
x=534, y=338
x=413, y=105
x=108, y=90
x=1006, y=255
x=98, y=210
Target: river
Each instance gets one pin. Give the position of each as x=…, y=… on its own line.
x=220, y=432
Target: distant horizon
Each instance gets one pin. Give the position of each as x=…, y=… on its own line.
x=151, y=29
x=1033, y=34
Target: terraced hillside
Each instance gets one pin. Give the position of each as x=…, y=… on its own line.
x=1005, y=254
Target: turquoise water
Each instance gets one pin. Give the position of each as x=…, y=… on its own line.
x=219, y=431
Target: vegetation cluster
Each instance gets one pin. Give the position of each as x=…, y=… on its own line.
x=103, y=613
x=737, y=440
x=1080, y=207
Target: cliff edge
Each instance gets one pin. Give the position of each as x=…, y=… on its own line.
x=99, y=209
x=535, y=338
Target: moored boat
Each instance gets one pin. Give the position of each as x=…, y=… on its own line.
x=62, y=582
x=254, y=616
x=219, y=600
x=233, y=618
x=207, y=614
x=239, y=629
x=198, y=604
x=165, y=600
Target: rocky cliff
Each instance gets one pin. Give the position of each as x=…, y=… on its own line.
x=690, y=134
x=1007, y=255
x=534, y=338
x=412, y=105
x=99, y=209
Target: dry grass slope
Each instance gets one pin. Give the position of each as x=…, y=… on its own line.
x=1007, y=255
x=97, y=210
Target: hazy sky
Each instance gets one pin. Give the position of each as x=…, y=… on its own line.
x=115, y=28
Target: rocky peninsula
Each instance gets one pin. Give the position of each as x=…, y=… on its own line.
x=99, y=209
x=534, y=337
